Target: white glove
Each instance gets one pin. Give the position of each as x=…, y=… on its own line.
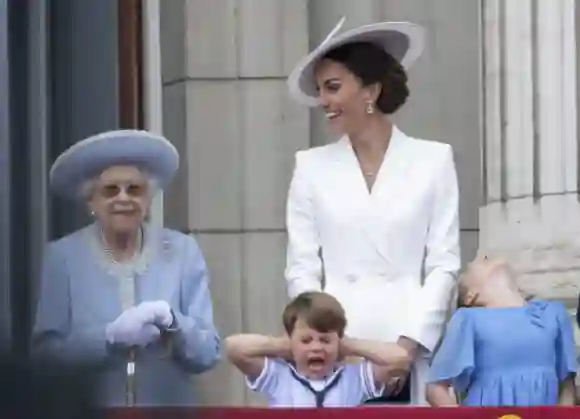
x=156, y=312
x=131, y=329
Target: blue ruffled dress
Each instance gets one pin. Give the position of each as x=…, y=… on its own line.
x=507, y=356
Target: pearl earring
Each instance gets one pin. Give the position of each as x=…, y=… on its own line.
x=370, y=108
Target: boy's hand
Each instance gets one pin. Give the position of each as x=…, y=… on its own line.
x=399, y=373
x=345, y=350
x=397, y=382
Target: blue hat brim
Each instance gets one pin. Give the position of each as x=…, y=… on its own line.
x=90, y=157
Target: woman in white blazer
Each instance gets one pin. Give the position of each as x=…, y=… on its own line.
x=373, y=218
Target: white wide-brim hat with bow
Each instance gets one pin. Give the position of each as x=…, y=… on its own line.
x=402, y=40
x=90, y=157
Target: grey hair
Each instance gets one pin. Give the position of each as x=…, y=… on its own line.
x=87, y=189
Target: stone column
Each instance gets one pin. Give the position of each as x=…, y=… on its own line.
x=531, y=211
x=226, y=108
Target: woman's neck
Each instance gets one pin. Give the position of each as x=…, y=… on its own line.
x=374, y=139
x=122, y=245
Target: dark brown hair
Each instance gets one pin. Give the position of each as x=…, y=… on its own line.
x=321, y=311
x=372, y=64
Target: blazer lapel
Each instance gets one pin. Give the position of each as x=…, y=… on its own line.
x=373, y=209
x=350, y=177
x=387, y=190
x=390, y=179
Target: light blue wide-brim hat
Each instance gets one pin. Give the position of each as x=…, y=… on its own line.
x=90, y=157
x=403, y=40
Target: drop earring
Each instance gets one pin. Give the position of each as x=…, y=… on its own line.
x=370, y=108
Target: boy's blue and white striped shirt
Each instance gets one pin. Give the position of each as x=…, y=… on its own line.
x=349, y=385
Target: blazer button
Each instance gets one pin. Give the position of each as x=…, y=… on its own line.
x=385, y=277
x=351, y=278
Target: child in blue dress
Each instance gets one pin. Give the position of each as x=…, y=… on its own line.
x=502, y=350
x=307, y=368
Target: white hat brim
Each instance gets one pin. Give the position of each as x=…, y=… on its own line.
x=90, y=157
x=403, y=40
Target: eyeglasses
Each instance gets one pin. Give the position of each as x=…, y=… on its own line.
x=133, y=190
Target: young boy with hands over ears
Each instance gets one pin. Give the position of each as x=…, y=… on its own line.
x=315, y=365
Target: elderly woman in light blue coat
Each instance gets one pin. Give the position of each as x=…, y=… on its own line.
x=127, y=297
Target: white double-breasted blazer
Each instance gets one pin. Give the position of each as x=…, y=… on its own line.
x=390, y=256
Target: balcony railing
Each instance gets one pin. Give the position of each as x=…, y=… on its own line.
x=353, y=413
